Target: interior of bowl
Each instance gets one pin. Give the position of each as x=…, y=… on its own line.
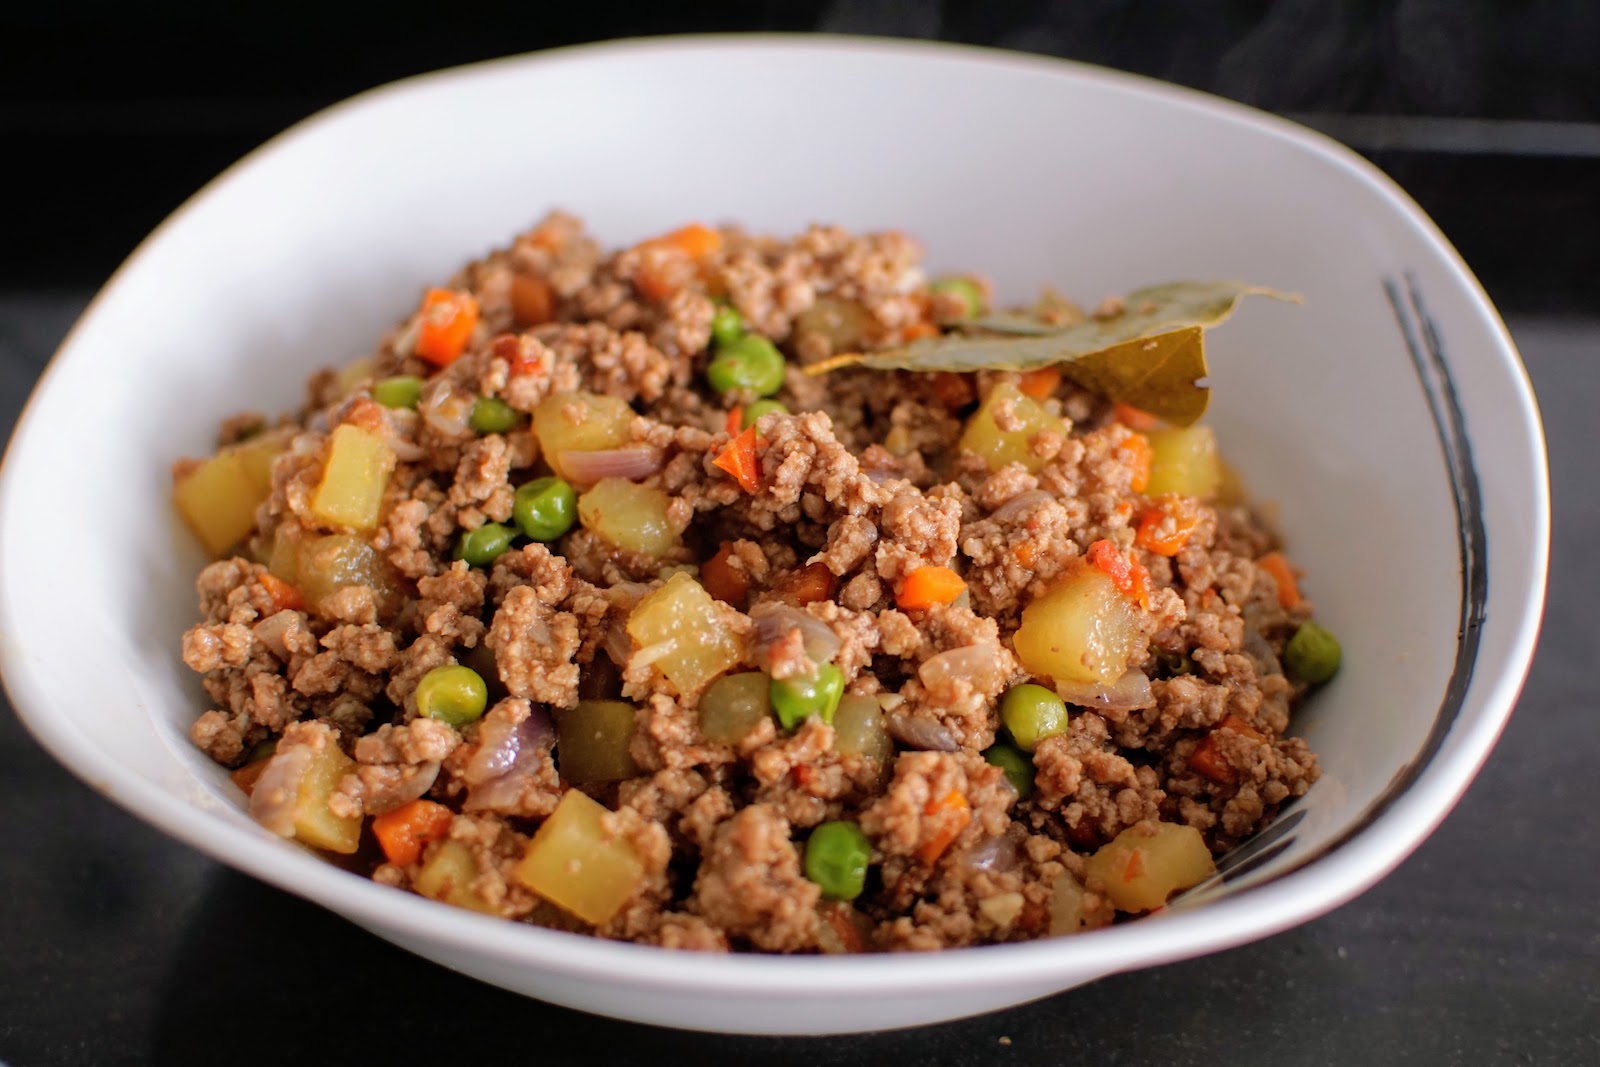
x=1029, y=172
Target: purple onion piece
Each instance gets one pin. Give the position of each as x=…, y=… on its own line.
x=925, y=734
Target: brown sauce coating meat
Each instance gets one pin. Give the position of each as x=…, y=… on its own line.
x=313, y=629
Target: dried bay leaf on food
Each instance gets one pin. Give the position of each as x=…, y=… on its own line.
x=1151, y=357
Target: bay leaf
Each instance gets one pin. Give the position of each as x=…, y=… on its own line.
x=1151, y=357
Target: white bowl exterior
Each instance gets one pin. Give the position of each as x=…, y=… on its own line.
x=1031, y=171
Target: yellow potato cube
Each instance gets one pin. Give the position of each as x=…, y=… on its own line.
x=1184, y=461
x=1081, y=630
x=630, y=516
x=579, y=422
x=314, y=823
x=218, y=499
x=1141, y=870
x=353, y=479
x=575, y=864
x=592, y=741
x=1024, y=419
x=447, y=875
x=687, y=632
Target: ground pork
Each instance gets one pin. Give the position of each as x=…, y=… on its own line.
x=806, y=527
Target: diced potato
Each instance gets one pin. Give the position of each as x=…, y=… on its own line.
x=354, y=374
x=858, y=729
x=218, y=499
x=259, y=453
x=733, y=705
x=1141, y=870
x=447, y=875
x=1081, y=630
x=1184, y=461
x=314, y=823
x=592, y=741
x=582, y=422
x=686, y=632
x=320, y=566
x=1026, y=419
x=630, y=516
x=573, y=863
x=353, y=480
x=844, y=325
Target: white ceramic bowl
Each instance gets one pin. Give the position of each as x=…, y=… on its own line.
x=1389, y=416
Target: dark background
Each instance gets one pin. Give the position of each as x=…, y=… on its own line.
x=120, y=946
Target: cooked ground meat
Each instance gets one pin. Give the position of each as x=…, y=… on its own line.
x=457, y=625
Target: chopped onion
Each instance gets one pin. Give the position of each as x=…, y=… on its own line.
x=588, y=467
x=977, y=664
x=393, y=791
x=1128, y=693
x=503, y=743
x=1020, y=505
x=775, y=621
x=1260, y=651
x=517, y=750
x=929, y=735
x=999, y=854
x=446, y=409
x=277, y=791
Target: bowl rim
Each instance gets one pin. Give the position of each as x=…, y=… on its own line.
x=1331, y=879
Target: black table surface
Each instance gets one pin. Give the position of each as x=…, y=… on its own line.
x=118, y=945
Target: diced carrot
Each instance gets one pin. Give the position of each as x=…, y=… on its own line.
x=734, y=420
x=954, y=391
x=520, y=358
x=1135, y=865
x=446, y=324
x=955, y=814
x=284, y=596
x=533, y=300
x=1207, y=757
x=1134, y=419
x=668, y=262
x=1027, y=554
x=1128, y=574
x=1207, y=760
x=367, y=414
x=1166, y=526
x=245, y=777
x=694, y=240
x=1135, y=449
x=811, y=584
x=916, y=331
x=740, y=460
x=722, y=580
x=1288, y=589
x=405, y=831
x=838, y=920
x=1039, y=383
x=927, y=586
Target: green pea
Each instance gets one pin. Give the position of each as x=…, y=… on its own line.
x=401, y=392
x=455, y=695
x=750, y=364
x=797, y=699
x=726, y=325
x=545, y=508
x=837, y=854
x=483, y=546
x=1032, y=713
x=760, y=408
x=1312, y=654
x=965, y=288
x=263, y=750
x=490, y=414
x=1016, y=764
